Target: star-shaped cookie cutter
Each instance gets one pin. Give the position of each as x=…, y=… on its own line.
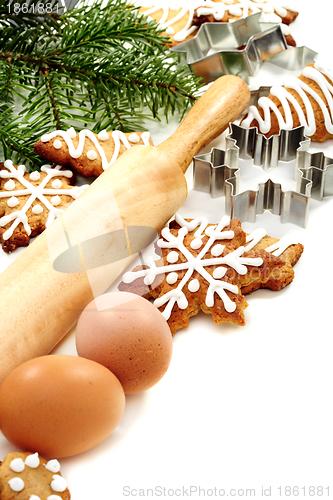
x=316, y=168
x=236, y=48
x=218, y=173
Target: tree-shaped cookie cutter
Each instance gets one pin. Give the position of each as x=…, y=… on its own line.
x=218, y=173
x=236, y=48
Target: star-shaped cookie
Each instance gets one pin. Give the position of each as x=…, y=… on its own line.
x=29, y=202
x=210, y=267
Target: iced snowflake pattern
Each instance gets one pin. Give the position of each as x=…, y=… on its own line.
x=198, y=263
x=35, y=193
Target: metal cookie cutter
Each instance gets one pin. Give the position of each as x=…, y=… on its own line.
x=218, y=174
x=236, y=48
x=317, y=168
x=266, y=152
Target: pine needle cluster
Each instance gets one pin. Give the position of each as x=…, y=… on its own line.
x=99, y=66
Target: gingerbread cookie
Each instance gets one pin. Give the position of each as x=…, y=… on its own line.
x=29, y=202
x=182, y=23
x=26, y=476
x=305, y=100
x=210, y=267
x=87, y=153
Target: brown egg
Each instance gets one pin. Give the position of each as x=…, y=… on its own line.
x=128, y=335
x=60, y=405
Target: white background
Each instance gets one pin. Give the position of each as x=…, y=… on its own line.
x=240, y=407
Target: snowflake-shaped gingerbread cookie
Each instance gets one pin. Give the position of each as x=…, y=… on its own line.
x=210, y=267
x=29, y=202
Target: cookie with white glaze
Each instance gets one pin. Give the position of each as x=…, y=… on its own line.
x=87, y=153
x=210, y=267
x=181, y=23
x=304, y=100
x=28, y=476
x=30, y=201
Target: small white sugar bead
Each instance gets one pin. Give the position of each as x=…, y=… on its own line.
x=91, y=154
x=55, y=200
x=16, y=484
x=12, y=202
x=194, y=285
x=9, y=185
x=172, y=257
x=172, y=278
x=37, y=209
x=34, y=176
x=59, y=484
x=134, y=138
x=57, y=144
x=17, y=465
x=103, y=135
x=71, y=132
x=56, y=184
x=53, y=465
x=32, y=461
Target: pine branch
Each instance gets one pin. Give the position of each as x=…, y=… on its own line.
x=97, y=67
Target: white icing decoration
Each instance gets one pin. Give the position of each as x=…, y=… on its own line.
x=267, y=8
x=285, y=29
x=53, y=466
x=172, y=278
x=145, y=137
x=196, y=243
x=103, y=135
x=34, y=497
x=234, y=259
x=37, y=209
x=16, y=484
x=55, y=200
x=217, y=10
x=309, y=122
x=195, y=263
x=32, y=461
x=117, y=136
x=281, y=11
x=7, y=163
x=134, y=138
x=219, y=272
x=9, y=185
x=280, y=246
x=193, y=286
x=36, y=192
x=34, y=176
x=59, y=484
x=254, y=238
x=12, y=202
x=57, y=144
x=172, y=257
x=56, y=184
x=17, y=465
x=54, y=497
x=217, y=250
x=235, y=11
x=92, y=155
x=71, y=132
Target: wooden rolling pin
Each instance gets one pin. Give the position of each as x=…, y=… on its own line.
x=144, y=187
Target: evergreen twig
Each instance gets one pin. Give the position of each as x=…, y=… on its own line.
x=97, y=66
